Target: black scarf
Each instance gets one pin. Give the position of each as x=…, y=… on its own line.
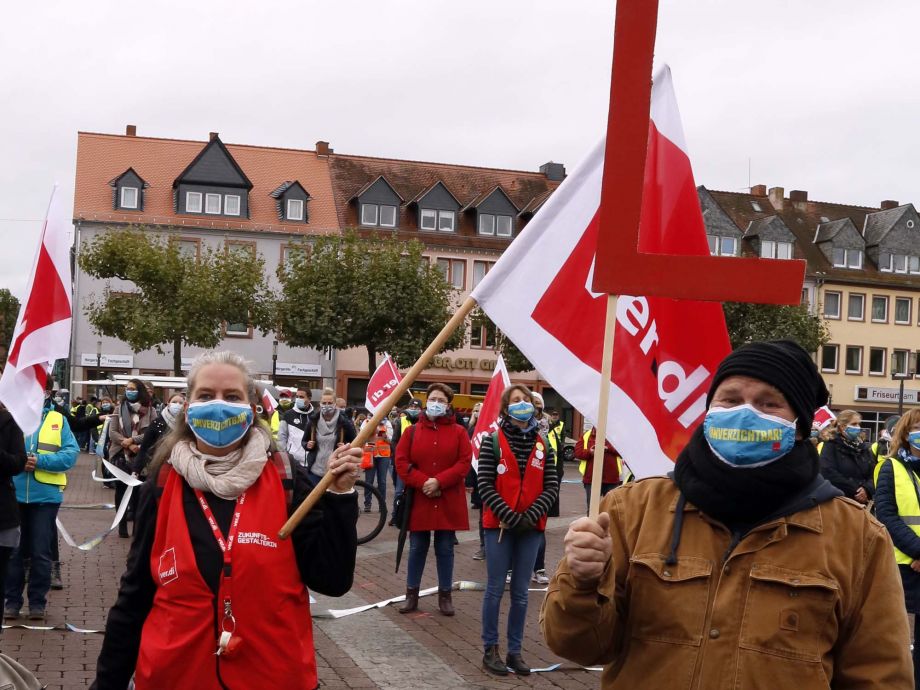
x=735, y=495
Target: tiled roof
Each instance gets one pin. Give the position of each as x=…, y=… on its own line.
x=411, y=178
x=100, y=157
x=755, y=227
x=828, y=231
x=880, y=222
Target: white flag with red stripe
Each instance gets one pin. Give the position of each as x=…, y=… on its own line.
x=487, y=421
x=665, y=351
x=382, y=383
x=42, y=333
x=269, y=404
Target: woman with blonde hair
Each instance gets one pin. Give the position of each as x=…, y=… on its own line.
x=897, y=506
x=846, y=461
x=211, y=596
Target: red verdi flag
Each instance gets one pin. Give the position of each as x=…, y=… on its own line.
x=665, y=351
x=487, y=421
x=42, y=333
x=382, y=383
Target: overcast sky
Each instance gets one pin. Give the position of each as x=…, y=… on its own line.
x=820, y=95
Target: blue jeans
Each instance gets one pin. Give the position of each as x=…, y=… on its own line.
x=379, y=472
x=443, y=551
x=38, y=534
x=517, y=553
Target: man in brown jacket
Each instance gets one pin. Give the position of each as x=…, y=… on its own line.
x=743, y=570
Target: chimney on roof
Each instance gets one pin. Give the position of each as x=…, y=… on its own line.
x=323, y=148
x=130, y=130
x=554, y=172
x=799, y=199
x=759, y=190
x=212, y=136
x=776, y=197
x=889, y=203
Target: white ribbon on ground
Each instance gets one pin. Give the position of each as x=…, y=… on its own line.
x=92, y=543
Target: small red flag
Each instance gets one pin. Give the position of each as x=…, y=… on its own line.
x=382, y=383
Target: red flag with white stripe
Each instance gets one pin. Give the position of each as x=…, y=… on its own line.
x=487, y=421
x=665, y=351
x=269, y=404
x=382, y=383
x=42, y=333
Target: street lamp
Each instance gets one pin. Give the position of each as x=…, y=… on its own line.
x=98, y=354
x=901, y=377
x=274, y=359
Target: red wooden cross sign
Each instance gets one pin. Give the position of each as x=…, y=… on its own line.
x=620, y=268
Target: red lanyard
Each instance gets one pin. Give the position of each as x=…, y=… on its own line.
x=226, y=545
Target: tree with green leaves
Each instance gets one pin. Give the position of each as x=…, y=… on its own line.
x=749, y=322
x=172, y=298
x=9, y=312
x=514, y=358
x=346, y=291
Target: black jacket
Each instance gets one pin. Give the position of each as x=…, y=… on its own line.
x=12, y=462
x=344, y=428
x=848, y=468
x=78, y=424
x=325, y=545
x=158, y=427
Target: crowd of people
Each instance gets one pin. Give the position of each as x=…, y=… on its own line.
x=765, y=512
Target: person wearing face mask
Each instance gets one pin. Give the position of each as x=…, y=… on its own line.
x=610, y=474
x=432, y=458
x=517, y=485
x=126, y=432
x=410, y=416
x=897, y=506
x=284, y=404
x=159, y=427
x=328, y=429
x=211, y=597
x=294, y=423
x=743, y=568
x=847, y=462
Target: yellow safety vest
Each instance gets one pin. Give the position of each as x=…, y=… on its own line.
x=583, y=465
x=555, y=436
x=49, y=441
x=404, y=424
x=820, y=446
x=276, y=419
x=905, y=494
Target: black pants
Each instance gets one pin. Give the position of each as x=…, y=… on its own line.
x=120, y=489
x=5, y=553
x=916, y=653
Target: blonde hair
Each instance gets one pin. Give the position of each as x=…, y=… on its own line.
x=181, y=431
x=846, y=417
x=329, y=392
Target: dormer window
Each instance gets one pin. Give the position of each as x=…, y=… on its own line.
x=382, y=215
x=291, y=199
x=848, y=258
x=294, y=209
x=493, y=224
x=722, y=246
x=213, y=184
x=129, y=197
x=770, y=249
x=212, y=203
x=231, y=205
x=433, y=219
x=377, y=204
x=193, y=202
x=898, y=263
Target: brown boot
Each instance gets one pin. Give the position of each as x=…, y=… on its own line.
x=445, y=605
x=411, y=601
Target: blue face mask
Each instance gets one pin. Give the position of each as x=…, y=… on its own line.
x=745, y=437
x=219, y=423
x=853, y=432
x=521, y=411
x=435, y=409
x=300, y=404
x=412, y=413
x=913, y=438
x=131, y=396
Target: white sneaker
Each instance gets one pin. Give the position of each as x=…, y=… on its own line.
x=508, y=578
x=540, y=577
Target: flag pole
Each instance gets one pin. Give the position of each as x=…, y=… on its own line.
x=600, y=438
x=382, y=411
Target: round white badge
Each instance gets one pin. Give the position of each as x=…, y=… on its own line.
x=501, y=469
x=539, y=455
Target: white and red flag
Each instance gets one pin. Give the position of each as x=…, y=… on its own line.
x=823, y=417
x=269, y=404
x=42, y=333
x=487, y=421
x=665, y=351
x=382, y=383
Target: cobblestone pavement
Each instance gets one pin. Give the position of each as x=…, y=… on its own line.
x=375, y=649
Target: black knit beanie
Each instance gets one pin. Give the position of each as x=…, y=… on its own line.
x=784, y=365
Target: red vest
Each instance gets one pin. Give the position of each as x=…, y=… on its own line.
x=518, y=494
x=270, y=603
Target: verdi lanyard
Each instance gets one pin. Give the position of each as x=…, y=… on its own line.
x=228, y=624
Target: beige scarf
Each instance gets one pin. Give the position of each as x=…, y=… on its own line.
x=227, y=476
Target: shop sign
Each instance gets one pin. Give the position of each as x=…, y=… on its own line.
x=113, y=361
x=885, y=395
x=298, y=369
x=461, y=363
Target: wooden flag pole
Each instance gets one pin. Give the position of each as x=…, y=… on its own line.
x=382, y=411
x=600, y=438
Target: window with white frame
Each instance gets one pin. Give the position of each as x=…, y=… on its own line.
x=879, y=308
x=893, y=263
x=482, y=333
x=212, y=203
x=722, y=246
x=128, y=197
x=491, y=224
x=877, y=357
x=856, y=307
x=383, y=215
x=854, y=359
x=486, y=224
x=503, y=226
x=387, y=216
x=770, y=249
x=193, y=202
x=847, y=258
x=831, y=305
x=294, y=210
x=239, y=328
x=454, y=271
x=899, y=361
x=231, y=205
x=480, y=269
x=829, y=355
x=369, y=214
x=446, y=221
x=902, y=309
x=428, y=219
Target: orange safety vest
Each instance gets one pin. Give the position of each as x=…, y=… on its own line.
x=379, y=448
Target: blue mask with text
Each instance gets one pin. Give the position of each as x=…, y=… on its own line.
x=744, y=437
x=219, y=423
x=913, y=438
x=853, y=432
x=521, y=411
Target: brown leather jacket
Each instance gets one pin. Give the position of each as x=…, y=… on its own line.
x=811, y=600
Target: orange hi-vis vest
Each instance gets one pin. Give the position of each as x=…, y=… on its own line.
x=378, y=448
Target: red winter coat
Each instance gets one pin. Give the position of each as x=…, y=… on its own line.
x=611, y=472
x=441, y=450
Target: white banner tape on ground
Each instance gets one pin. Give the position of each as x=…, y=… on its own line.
x=92, y=543
x=64, y=626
